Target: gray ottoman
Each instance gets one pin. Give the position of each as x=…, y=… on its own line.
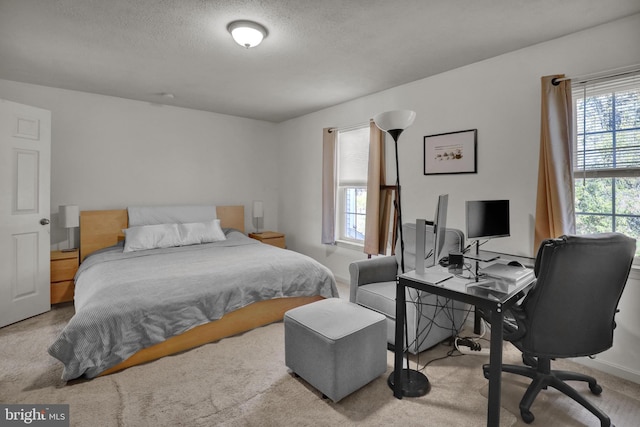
x=335, y=346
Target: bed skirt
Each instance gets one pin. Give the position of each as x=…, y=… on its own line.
x=242, y=320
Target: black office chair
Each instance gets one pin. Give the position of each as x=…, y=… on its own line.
x=569, y=312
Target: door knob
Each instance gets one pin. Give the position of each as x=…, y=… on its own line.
x=44, y=221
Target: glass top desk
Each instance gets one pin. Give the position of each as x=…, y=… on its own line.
x=472, y=257
x=456, y=289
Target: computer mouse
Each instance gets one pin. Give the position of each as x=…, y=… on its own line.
x=515, y=264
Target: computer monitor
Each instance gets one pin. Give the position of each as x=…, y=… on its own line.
x=487, y=219
x=439, y=226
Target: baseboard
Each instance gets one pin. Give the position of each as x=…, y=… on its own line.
x=341, y=279
x=609, y=368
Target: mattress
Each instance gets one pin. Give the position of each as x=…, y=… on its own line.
x=129, y=301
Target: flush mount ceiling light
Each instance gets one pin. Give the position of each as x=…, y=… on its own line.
x=247, y=33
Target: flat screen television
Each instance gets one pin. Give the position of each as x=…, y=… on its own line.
x=487, y=219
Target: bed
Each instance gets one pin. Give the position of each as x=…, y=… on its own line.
x=137, y=306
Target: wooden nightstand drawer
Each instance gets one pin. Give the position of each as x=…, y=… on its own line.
x=270, y=238
x=276, y=241
x=63, y=269
x=64, y=266
x=62, y=291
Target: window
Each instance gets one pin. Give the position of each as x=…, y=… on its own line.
x=607, y=156
x=352, y=163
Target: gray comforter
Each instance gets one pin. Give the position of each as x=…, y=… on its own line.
x=129, y=301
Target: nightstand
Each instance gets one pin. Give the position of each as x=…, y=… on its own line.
x=270, y=238
x=63, y=268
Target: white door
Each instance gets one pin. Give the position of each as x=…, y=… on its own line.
x=25, y=166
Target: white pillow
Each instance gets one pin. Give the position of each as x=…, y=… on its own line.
x=151, y=237
x=194, y=233
x=170, y=235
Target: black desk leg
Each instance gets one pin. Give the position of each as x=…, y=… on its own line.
x=399, y=340
x=495, y=366
x=477, y=322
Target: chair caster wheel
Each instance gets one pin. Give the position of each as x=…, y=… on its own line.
x=527, y=416
x=595, y=389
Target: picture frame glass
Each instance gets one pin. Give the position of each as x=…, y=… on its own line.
x=450, y=153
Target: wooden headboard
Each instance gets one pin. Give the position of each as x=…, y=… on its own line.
x=101, y=229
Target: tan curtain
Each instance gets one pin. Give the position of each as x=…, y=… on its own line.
x=328, y=186
x=378, y=201
x=555, y=210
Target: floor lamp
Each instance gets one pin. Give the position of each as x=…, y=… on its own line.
x=415, y=383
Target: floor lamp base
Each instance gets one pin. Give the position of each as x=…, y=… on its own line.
x=414, y=383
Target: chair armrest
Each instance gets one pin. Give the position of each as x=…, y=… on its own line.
x=379, y=269
x=513, y=324
x=517, y=328
x=514, y=331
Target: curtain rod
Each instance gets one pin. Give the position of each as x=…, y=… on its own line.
x=616, y=72
x=356, y=126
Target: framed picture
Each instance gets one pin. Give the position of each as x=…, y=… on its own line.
x=453, y=152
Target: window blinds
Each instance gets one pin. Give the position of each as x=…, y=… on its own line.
x=353, y=157
x=608, y=126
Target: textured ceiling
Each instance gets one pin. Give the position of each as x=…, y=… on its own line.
x=318, y=53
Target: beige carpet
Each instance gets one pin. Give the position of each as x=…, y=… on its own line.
x=242, y=381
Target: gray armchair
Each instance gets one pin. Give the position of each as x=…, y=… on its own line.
x=430, y=319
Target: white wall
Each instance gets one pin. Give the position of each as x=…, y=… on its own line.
x=109, y=153
x=499, y=97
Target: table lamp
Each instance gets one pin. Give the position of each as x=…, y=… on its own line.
x=69, y=217
x=258, y=213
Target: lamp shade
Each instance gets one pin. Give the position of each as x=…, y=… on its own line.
x=394, y=120
x=247, y=33
x=69, y=216
x=258, y=210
